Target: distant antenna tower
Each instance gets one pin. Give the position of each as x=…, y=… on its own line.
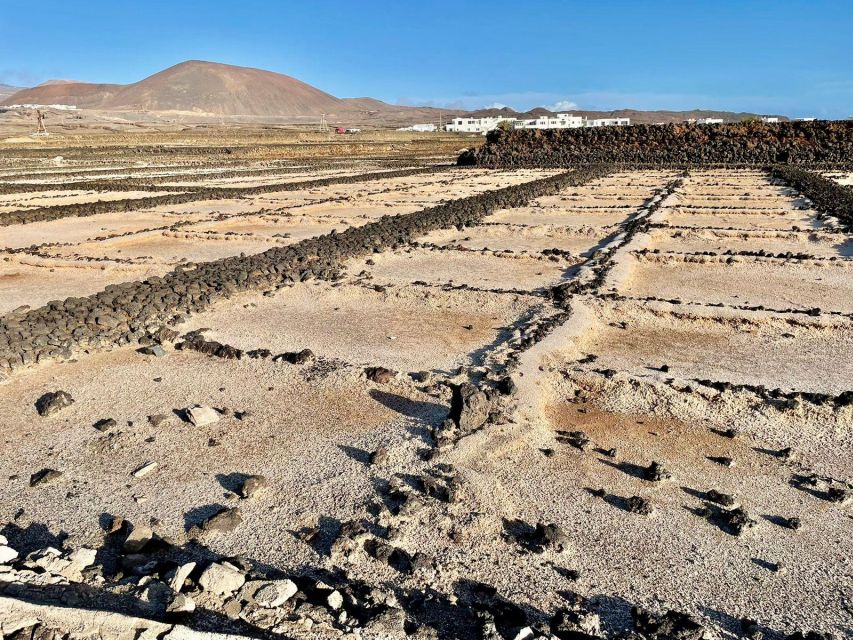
x=40, y=130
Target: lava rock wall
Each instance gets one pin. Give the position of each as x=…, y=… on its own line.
x=751, y=143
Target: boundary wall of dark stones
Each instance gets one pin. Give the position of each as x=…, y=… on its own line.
x=192, y=194
x=133, y=311
x=748, y=143
x=827, y=195
x=136, y=182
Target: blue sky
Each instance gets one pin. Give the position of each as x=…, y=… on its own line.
x=789, y=57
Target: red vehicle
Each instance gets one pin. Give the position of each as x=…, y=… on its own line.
x=340, y=130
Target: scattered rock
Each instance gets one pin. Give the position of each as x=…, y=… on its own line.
x=44, y=476
x=181, y=574
x=140, y=535
x=181, y=603
x=7, y=554
x=202, y=416
x=656, y=473
x=669, y=626
x=577, y=439
x=221, y=578
x=153, y=350
x=721, y=498
x=335, y=600
x=273, y=593
x=158, y=419
x=506, y=386
x=469, y=407
x=146, y=469
x=253, y=485
x=53, y=402
x=736, y=521
x=722, y=461
x=105, y=424
x=379, y=457
x=223, y=521
x=637, y=504
x=380, y=375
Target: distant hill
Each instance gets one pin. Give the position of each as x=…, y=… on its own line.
x=7, y=90
x=203, y=88
x=636, y=116
x=197, y=89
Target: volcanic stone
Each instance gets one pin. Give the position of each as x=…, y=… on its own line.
x=52, y=402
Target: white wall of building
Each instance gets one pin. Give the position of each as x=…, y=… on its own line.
x=557, y=121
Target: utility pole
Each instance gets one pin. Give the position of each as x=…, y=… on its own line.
x=40, y=129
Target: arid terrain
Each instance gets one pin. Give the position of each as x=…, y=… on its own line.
x=265, y=384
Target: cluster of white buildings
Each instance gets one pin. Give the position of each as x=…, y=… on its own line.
x=556, y=121
x=59, y=107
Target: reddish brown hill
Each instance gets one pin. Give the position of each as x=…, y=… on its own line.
x=82, y=94
x=221, y=89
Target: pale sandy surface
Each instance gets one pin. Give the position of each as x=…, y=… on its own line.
x=312, y=426
x=697, y=240
x=406, y=329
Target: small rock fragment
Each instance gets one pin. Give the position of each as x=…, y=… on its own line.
x=379, y=457
x=181, y=603
x=44, y=476
x=223, y=521
x=157, y=419
x=104, y=424
x=656, y=473
x=202, y=416
x=274, y=593
x=380, y=375
x=221, y=578
x=335, y=600
x=7, y=554
x=52, y=402
x=637, y=504
x=253, y=485
x=721, y=498
x=153, y=350
x=138, y=537
x=181, y=574
x=146, y=469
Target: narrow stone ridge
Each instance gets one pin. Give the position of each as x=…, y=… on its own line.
x=82, y=209
x=827, y=195
x=125, y=313
x=753, y=143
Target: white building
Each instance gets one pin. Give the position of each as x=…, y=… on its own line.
x=476, y=125
x=557, y=121
x=421, y=128
x=769, y=119
x=58, y=107
x=608, y=122
x=707, y=121
x=805, y=119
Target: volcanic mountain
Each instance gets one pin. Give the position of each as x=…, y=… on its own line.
x=203, y=88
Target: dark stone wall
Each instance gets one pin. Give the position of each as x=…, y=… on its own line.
x=752, y=143
x=827, y=195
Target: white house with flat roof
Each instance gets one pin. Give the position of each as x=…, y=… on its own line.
x=557, y=121
x=608, y=122
x=477, y=125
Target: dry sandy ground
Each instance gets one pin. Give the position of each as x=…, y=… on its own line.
x=448, y=310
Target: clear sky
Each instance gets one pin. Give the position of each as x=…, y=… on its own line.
x=793, y=57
